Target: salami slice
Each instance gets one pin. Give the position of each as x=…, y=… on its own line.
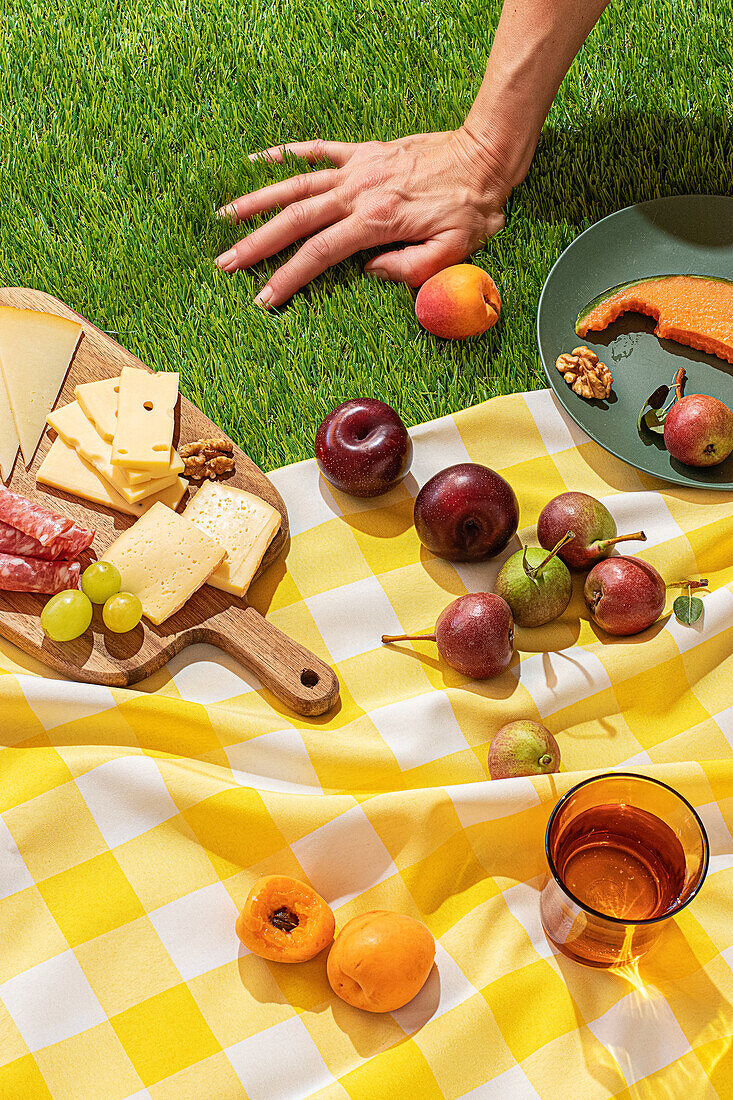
x=72, y=543
x=31, y=518
x=18, y=574
x=13, y=541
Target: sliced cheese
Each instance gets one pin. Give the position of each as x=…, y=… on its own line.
x=78, y=431
x=35, y=352
x=8, y=435
x=145, y=420
x=164, y=559
x=64, y=469
x=242, y=523
x=139, y=477
x=99, y=402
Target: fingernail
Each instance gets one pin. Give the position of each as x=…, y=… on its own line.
x=226, y=212
x=226, y=258
x=377, y=272
x=264, y=296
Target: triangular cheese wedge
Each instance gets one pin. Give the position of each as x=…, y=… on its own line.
x=35, y=352
x=8, y=434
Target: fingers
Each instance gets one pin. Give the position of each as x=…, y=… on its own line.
x=282, y=194
x=415, y=264
x=296, y=221
x=336, y=151
x=317, y=254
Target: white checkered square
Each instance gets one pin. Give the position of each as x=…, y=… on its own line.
x=558, y=431
x=14, y=875
x=308, y=496
x=446, y=987
x=56, y=702
x=203, y=674
x=478, y=802
x=419, y=730
x=353, y=618
x=557, y=680
x=280, y=1063
x=641, y=1033
x=51, y=1001
x=276, y=761
x=344, y=858
x=198, y=930
x=512, y=1084
x=126, y=796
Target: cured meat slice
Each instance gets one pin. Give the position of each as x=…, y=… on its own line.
x=19, y=574
x=31, y=518
x=13, y=541
x=72, y=543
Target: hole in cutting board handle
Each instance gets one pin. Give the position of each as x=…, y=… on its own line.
x=148, y=405
x=309, y=678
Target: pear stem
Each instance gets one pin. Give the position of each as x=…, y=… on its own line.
x=681, y=375
x=638, y=536
x=561, y=542
x=407, y=638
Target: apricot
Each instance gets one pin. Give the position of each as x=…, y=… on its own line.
x=380, y=960
x=285, y=920
x=458, y=302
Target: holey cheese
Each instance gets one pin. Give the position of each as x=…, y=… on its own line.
x=35, y=352
x=145, y=420
x=64, y=469
x=164, y=559
x=243, y=524
x=78, y=431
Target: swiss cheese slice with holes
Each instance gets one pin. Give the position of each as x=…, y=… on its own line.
x=35, y=352
x=145, y=420
x=164, y=559
x=64, y=469
x=73, y=426
x=99, y=402
x=242, y=523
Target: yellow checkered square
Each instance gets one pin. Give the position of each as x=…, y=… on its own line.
x=90, y=898
x=91, y=1063
x=553, y=1010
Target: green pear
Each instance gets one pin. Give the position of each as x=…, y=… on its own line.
x=536, y=585
x=523, y=747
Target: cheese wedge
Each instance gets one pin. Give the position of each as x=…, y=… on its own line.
x=64, y=469
x=8, y=434
x=164, y=559
x=35, y=352
x=242, y=523
x=99, y=402
x=145, y=420
x=73, y=426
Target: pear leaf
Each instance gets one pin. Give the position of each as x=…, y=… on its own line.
x=653, y=413
x=687, y=608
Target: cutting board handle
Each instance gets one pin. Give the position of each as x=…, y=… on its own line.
x=287, y=669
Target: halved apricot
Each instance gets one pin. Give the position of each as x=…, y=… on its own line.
x=380, y=960
x=285, y=920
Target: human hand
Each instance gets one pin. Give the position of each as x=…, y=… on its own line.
x=437, y=193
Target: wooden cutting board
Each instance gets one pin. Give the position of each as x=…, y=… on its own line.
x=287, y=669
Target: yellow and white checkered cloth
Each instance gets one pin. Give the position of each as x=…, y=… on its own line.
x=134, y=822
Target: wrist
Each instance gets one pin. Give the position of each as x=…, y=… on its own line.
x=500, y=162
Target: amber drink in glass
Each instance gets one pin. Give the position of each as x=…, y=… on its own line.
x=625, y=853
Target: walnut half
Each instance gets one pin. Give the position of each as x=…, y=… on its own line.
x=587, y=376
x=207, y=458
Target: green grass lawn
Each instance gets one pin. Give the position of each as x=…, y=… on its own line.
x=123, y=126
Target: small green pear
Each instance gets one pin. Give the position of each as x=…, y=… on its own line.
x=536, y=585
x=523, y=747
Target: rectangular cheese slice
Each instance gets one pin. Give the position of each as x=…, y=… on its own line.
x=64, y=469
x=99, y=403
x=145, y=420
x=35, y=352
x=242, y=523
x=164, y=559
x=8, y=434
x=78, y=431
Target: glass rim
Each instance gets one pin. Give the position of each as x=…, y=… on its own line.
x=607, y=916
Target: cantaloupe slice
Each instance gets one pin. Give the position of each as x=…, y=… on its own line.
x=696, y=310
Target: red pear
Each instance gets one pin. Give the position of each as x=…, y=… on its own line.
x=474, y=635
x=698, y=430
x=589, y=521
x=624, y=595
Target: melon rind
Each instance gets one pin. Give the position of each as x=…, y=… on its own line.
x=612, y=291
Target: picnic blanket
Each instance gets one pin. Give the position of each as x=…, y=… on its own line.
x=135, y=821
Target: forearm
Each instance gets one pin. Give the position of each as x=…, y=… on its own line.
x=533, y=48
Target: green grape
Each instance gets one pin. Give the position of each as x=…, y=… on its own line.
x=122, y=612
x=66, y=615
x=100, y=580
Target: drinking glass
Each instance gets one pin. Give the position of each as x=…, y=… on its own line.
x=625, y=853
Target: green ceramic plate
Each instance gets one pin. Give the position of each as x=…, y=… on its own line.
x=688, y=234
